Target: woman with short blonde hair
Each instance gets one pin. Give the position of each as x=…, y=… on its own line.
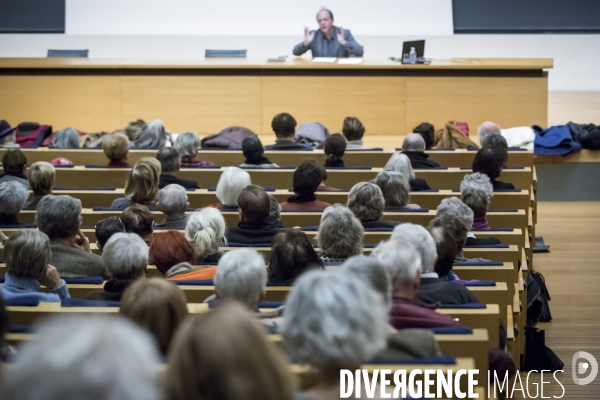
x=142, y=185
x=41, y=176
x=116, y=149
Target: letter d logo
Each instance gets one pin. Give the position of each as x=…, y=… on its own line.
x=582, y=367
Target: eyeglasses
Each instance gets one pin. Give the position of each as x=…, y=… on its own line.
x=107, y=219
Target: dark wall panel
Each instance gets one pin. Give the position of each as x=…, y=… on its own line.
x=32, y=16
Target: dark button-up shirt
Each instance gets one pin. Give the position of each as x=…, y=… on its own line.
x=323, y=47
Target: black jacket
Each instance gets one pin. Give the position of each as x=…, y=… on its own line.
x=170, y=179
x=433, y=290
x=381, y=224
x=113, y=290
x=502, y=185
x=416, y=185
x=287, y=145
x=419, y=160
x=252, y=233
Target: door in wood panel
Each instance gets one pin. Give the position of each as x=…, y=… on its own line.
x=87, y=103
x=508, y=101
x=203, y=104
x=377, y=101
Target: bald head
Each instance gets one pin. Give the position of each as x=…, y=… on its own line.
x=413, y=142
x=486, y=129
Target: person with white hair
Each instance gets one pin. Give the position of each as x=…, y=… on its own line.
x=152, y=136
x=169, y=168
x=125, y=256
x=67, y=138
x=395, y=190
x=230, y=185
x=340, y=234
x=85, y=357
x=478, y=180
x=432, y=289
x=241, y=276
x=414, y=148
x=487, y=129
x=333, y=321
x=205, y=230
x=41, y=176
x=13, y=197
x=366, y=201
x=401, y=163
x=403, y=265
x=187, y=144
x=173, y=203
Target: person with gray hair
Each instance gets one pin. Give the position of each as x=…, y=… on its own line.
x=488, y=128
x=173, y=203
x=205, y=230
x=395, y=190
x=169, y=165
x=241, y=276
x=231, y=183
x=67, y=138
x=187, y=144
x=367, y=203
x=83, y=357
x=453, y=207
x=275, y=213
x=414, y=148
x=432, y=289
x=59, y=217
x=27, y=255
x=13, y=197
x=478, y=201
x=126, y=258
x=478, y=180
x=333, y=321
x=152, y=136
x=340, y=234
x=401, y=163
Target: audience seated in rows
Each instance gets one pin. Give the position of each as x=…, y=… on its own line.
x=334, y=148
x=67, y=138
x=490, y=161
x=401, y=163
x=427, y=132
x=107, y=227
x=254, y=154
x=471, y=187
x=27, y=255
x=13, y=197
x=205, y=230
x=80, y=357
x=8, y=135
x=14, y=164
x=169, y=249
x=41, y=176
x=139, y=220
x=141, y=186
x=173, y=203
x=446, y=251
x=125, y=256
x=157, y=306
x=275, y=213
x=152, y=136
x=187, y=144
x=414, y=148
x=307, y=178
x=395, y=190
x=116, y=149
x=168, y=157
x=225, y=355
x=367, y=203
x=431, y=289
x=486, y=130
x=284, y=126
x=353, y=130
x=340, y=234
x=230, y=185
x=59, y=217
x=292, y=254
x=253, y=228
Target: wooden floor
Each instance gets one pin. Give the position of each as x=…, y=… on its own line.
x=572, y=272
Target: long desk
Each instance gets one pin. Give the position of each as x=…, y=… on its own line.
x=207, y=95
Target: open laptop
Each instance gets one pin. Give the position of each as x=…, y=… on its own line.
x=419, y=46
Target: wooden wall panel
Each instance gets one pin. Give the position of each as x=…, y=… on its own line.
x=378, y=101
x=87, y=103
x=203, y=104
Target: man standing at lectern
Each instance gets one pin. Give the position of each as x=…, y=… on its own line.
x=329, y=40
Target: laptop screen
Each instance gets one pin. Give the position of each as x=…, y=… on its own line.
x=419, y=46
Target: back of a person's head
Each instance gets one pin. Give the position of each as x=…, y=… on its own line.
x=142, y=184
x=454, y=227
x=284, y=125
x=41, y=176
x=274, y=211
x=400, y=163
x=254, y=204
x=307, y=177
x=152, y=136
x=427, y=132
x=108, y=227
x=13, y=197
x=14, y=161
x=241, y=276
x=486, y=130
x=168, y=157
x=495, y=141
x=490, y=161
x=173, y=199
x=137, y=219
x=413, y=142
x=402, y=261
x=67, y=138
x=372, y=272
x=252, y=148
x=58, y=217
x=454, y=207
x=125, y=256
x=353, y=129
x=291, y=255
x=115, y=146
x=340, y=233
x=446, y=250
x=476, y=200
x=156, y=305
x=27, y=253
x=86, y=357
x=366, y=201
x=170, y=248
x=205, y=230
x=421, y=240
x=230, y=185
x=187, y=144
x=480, y=181
x=334, y=147
x=224, y=355
x=394, y=188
